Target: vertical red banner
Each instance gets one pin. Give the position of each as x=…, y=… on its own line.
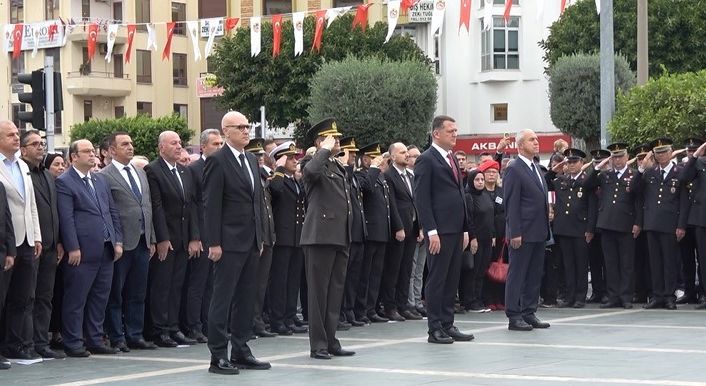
x=319, y=33
x=131, y=28
x=276, y=34
x=92, y=39
x=168, y=47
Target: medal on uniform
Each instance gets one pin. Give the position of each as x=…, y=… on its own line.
x=673, y=190
x=579, y=194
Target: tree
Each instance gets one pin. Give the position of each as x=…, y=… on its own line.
x=143, y=130
x=575, y=94
x=282, y=83
x=676, y=30
x=376, y=100
x=671, y=106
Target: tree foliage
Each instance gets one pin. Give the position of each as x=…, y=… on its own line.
x=282, y=83
x=676, y=30
x=143, y=130
x=575, y=93
x=673, y=106
x=376, y=100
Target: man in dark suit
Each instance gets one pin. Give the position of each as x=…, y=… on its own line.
x=400, y=250
x=326, y=237
x=91, y=233
x=7, y=256
x=287, y=256
x=233, y=235
x=197, y=294
x=527, y=223
x=440, y=199
x=131, y=195
x=175, y=218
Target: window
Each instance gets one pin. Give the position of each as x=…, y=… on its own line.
x=119, y=111
x=57, y=122
x=144, y=66
x=499, y=112
x=17, y=66
x=86, y=9
x=500, y=45
x=17, y=12
x=56, y=54
x=182, y=110
x=87, y=110
x=211, y=113
x=179, y=69
x=142, y=14
x=210, y=65
x=16, y=109
x=212, y=8
x=118, y=11
x=144, y=108
x=179, y=15
x=85, y=68
x=500, y=2
x=51, y=9
x=274, y=7
x=346, y=3
x=118, y=65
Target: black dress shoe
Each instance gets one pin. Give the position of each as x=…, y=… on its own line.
x=395, y=316
x=4, y=363
x=198, y=336
x=77, y=353
x=262, y=333
x=356, y=323
x=375, y=318
x=21, y=353
x=223, y=367
x=47, y=353
x=341, y=353
x=610, y=305
x=363, y=319
x=457, y=335
x=165, y=340
x=700, y=306
x=594, y=298
x=103, y=350
x=534, y=321
x=422, y=311
x=250, y=363
x=579, y=305
x=670, y=305
x=141, y=344
x=519, y=325
x=300, y=322
x=121, y=346
x=320, y=354
x=627, y=306
x=298, y=329
x=343, y=326
x=654, y=303
x=409, y=315
x=180, y=338
x=56, y=342
x=440, y=337
x=282, y=331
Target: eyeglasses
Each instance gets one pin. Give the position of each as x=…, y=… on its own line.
x=36, y=144
x=88, y=151
x=239, y=127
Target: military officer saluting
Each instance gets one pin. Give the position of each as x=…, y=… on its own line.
x=643, y=277
x=695, y=172
x=687, y=245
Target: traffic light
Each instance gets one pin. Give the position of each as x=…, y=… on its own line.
x=36, y=98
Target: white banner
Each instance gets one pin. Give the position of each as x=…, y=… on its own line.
x=151, y=38
x=193, y=28
x=393, y=13
x=298, y=21
x=112, y=34
x=28, y=42
x=255, y=37
x=208, y=23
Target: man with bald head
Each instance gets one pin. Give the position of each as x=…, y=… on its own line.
x=175, y=219
x=234, y=237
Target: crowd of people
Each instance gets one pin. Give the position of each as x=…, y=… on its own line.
x=106, y=251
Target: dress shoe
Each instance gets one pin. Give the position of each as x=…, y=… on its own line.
x=654, y=303
x=56, y=342
x=223, y=367
x=320, y=354
x=457, y=335
x=409, y=315
x=394, y=315
x=300, y=322
x=565, y=304
x=298, y=329
x=181, y=339
x=534, y=321
x=165, y=340
x=250, y=363
x=121, y=346
x=421, y=311
x=439, y=336
x=77, y=353
x=103, y=350
x=363, y=319
x=459, y=309
x=639, y=299
x=610, y=305
x=141, y=344
x=343, y=326
x=700, y=306
x=262, y=333
x=4, y=364
x=670, y=305
x=356, y=323
x=688, y=297
x=519, y=325
x=375, y=318
x=282, y=330
x=627, y=306
x=341, y=353
x=594, y=298
x=21, y=353
x=48, y=353
x=198, y=336
x=579, y=305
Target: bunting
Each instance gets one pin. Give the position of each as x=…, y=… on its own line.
x=151, y=38
x=255, y=38
x=298, y=22
x=276, y=34
x=488, y=15
x=193, y=28
x=437, y=17
x=52, y=31
x=506, y=12
x=231, y=22
x=92, y=39
x=319, y=32
x=333, y=13
x=393, y=13
x=112, y=34
x=465, y=18
x=17, y=32
x=212, y=28
x=167, y=52
x=131, y=28
x=35, y=41
x=361, y=16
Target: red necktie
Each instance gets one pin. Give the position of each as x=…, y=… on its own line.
x=453, y=165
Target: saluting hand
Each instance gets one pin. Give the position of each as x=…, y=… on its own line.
x=377, y=161
x=329, y=142
x=558, y=168
x=281, y=161
x=700, y=151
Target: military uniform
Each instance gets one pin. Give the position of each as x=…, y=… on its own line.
x=695, y=173
x=687, y=245
x=643, y=277
x=596, y=261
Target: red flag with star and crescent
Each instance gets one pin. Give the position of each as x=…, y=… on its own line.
x=53, y=29
x=168, y=47
x=131, y=28
x=17, y=40
x=92, y=38
x=231, y=22
x=276, y=34
x=465, y=15
x=361, y=17
x=508, y=7
x=319, y=33
x=563, y=6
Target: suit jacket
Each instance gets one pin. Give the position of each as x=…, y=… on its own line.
x=359, y=232
x=81, y=219
x=174, y=214
x=197, y=168
x=525, y=200
x=574, y=205
x=695, y=176
x=404, y=211
x=287, y=208
x=269, y=237
x=329, y=216
x=7, y=232
x=45, y=198
x=620, y=204
x=377, y=205
x=439, y=196
x=233, y=207
x=662, y=199
x=25, y=218
x=135, y=215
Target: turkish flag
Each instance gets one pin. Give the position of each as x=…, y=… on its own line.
x=563, y=5
x=92, y=38
x=361, y=16
x=406, y=5
x=131, y=28
x=168, y=47
x=17, y=40
x=465, y=15
x=276, y=34
x=319, y=33
x=231, y=22
x=53, y=29
x=508, y=7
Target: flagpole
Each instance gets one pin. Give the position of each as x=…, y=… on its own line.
x=607, y=70
x=642, y=43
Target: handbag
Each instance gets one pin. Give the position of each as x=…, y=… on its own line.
x=497, y=271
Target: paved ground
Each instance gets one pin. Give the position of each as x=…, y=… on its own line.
x=588, y=346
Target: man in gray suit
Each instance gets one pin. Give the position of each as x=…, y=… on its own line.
x=131, y=194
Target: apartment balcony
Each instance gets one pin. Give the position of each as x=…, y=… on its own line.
x=79, y=35
x=93, y=83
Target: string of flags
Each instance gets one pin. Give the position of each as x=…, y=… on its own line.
x=15, y=34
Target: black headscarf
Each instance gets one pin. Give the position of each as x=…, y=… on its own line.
x=471, y=186
x=50, y=158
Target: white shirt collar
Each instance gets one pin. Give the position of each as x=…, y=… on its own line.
x=400, y=171
x=443, y=152
x=667, y=168
x=120, y=166
x=235, y=151
x=526, y=160
x=168, y=165
x=81, y=175
x=621, y=171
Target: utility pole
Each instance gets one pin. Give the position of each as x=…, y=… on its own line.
x=643, y=71
x=49, y=89
x=607, y=69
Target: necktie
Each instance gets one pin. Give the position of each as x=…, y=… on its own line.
x=664, y=174
x=245, y=170
x=86, y=180
x=453, y=166
x=408, y=183
x=534, y=171
x=133, y=184
x=178, y=182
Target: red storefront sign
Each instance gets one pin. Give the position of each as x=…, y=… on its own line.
x=479, y=144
